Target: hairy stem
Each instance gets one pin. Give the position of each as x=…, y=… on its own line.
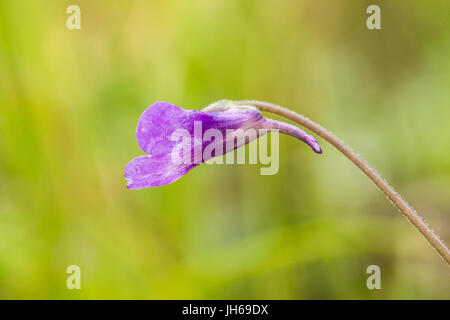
x=396, y=199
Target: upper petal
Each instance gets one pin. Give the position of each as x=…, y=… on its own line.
x=161, y=119
x=157, y=124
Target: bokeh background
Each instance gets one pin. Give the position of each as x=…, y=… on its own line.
x=70, y=101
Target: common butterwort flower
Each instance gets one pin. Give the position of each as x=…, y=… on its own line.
x=174, y=139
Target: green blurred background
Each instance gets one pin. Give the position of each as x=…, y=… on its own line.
x=70, y=101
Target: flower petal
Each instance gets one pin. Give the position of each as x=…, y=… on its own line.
x=161, y=119
x=154, y=171
x=156, y=125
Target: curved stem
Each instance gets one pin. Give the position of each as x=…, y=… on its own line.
x=397, y=200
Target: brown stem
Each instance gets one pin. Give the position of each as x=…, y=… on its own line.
x=397, y=200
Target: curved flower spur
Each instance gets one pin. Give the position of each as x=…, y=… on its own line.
x=159, y=122
x=173, y=139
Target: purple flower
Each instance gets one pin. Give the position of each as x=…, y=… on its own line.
x=178, y=140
